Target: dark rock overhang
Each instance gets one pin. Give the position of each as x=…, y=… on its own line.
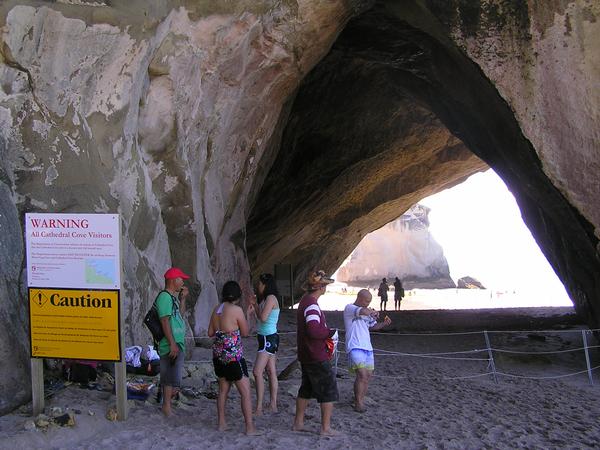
x=393, y=114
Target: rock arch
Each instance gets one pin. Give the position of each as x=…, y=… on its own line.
x=389, y=116
x=231, y=135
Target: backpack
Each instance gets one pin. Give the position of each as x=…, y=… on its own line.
x=152, y=321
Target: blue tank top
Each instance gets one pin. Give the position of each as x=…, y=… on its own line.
x=269, y=326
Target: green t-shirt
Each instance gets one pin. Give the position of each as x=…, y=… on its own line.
x=164, y=305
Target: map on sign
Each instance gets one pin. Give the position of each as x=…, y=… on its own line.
x=76, y=251
x=100, y=271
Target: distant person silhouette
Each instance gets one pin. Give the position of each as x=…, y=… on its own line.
x=383, y=294
x=398, y=293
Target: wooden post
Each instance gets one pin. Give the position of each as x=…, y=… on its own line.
x=121, y=390
x=491, y=355
x=587, y=356
x=120, y=367
x=37, y=385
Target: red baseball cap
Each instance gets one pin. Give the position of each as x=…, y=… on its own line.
x=175, y=272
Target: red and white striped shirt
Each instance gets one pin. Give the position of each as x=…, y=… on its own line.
x=312, y=331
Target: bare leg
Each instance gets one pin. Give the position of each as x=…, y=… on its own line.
x=243, y=386
x=273, y=382
x=301, y=404
x=361, y=384
x=224, y=387
x=166, y=400
x=259, y=367
x=326, y=412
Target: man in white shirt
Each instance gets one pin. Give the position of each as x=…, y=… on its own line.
x=358, y=320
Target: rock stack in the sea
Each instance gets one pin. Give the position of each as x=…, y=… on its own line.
x=469, y=283
x=403, y=248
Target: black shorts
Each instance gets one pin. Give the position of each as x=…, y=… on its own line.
x=318, y=381
x=233, y=371
x=268, y=344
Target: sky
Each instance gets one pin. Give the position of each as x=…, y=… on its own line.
x=479, y=226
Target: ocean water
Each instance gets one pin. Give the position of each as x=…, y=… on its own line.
x=422, y=299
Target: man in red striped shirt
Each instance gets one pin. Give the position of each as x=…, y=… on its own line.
x=318, y=377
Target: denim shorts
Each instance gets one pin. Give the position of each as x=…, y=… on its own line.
x=171, y=370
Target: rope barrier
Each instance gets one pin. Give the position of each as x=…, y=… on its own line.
x=491, y=370
x=433, y=354
x=426, y=334
x=390, y=377
x=592, y=330
x=502, y=350
x=549, y=377
x=431, y=357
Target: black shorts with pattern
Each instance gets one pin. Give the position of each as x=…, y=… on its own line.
x=318, y=381
x=233, y=371
x=269, y=343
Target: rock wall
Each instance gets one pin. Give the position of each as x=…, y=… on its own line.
x=158, y=112
x=403, y=248
x=234, y=135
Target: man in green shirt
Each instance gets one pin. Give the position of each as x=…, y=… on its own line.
x=171, y=348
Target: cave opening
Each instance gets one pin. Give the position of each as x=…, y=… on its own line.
x=447, y=252
x=392, y=114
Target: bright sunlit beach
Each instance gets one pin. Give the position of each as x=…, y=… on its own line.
x=479, y=226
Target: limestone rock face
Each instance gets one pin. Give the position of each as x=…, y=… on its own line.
x=157, y=112
x=234, y=135
x=403, y=248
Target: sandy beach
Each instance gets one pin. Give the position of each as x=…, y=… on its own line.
x=434, y=401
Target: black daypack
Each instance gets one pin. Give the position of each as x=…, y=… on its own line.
x=152, y=321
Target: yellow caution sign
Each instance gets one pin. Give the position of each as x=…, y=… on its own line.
x=74, y=324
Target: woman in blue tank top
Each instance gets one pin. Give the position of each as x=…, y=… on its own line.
x=267, y=314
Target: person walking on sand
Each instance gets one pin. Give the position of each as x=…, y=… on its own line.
x=170, y=305
x=266, y=308
x=398, y=293
x=313, y=334
x=227, y=325
x=358, y=320
x=383, y=294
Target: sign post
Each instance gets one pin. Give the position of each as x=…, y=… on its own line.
x=74, y=281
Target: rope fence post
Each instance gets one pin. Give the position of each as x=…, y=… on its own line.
x=491, y=355
x=587, y=356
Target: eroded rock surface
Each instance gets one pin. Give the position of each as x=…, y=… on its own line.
x=234, y=135
x=155, y=111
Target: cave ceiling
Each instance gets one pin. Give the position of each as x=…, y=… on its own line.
x=391, y=115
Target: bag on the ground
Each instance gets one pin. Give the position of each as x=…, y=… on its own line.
x=80, y=373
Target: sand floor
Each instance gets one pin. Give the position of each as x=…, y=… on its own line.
x=413, y=402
